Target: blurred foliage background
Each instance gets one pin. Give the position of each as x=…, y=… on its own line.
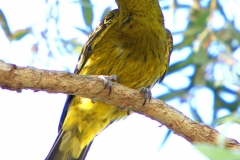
x=205, y=58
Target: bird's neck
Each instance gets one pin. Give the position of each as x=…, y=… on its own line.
x=140, y=10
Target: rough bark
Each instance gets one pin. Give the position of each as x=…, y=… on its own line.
x=18, y=78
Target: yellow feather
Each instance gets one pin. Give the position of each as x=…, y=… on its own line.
x=131, y=43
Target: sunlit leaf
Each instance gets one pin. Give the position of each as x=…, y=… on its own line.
x=77, y=49
x=73, y=45
x=217, y=153
x=187, y=41
x=87, y=11
x=4, y=24
x=19, y=34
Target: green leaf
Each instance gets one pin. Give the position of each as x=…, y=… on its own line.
x=87, y=11
x=73, y=45
x=198, y=20
x=216, y=152
x=19, y=34
x=200, y=58
x=232, y=118
x=169, y=96
x=4, y=24
x=77, y=49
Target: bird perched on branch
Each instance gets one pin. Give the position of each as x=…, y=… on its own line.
x=132, y=43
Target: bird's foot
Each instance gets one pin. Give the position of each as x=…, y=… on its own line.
x=147, y=94
x=125, y=109
x=107, y=81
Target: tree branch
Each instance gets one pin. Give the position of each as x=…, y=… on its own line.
x=18, y=78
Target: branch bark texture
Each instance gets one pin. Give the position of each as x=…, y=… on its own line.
x=18, y=78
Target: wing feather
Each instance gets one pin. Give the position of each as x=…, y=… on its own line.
x=168, y=53
x=95, y=37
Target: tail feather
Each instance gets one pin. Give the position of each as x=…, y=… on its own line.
x=85, y=151
x=56, y=154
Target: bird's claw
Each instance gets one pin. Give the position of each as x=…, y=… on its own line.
x=147, y=94
x=107, y=81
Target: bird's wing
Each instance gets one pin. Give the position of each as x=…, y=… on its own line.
x=168, y=52
x=93, y=40
x=95, y=37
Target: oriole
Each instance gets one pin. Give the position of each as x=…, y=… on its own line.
x=130, y=42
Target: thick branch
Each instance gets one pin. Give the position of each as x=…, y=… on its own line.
x=18, y=78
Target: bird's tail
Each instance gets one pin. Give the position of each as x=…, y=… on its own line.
x=56, y=154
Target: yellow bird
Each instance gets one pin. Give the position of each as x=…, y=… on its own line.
x=132, y=43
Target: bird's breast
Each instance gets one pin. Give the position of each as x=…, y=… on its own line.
x=136, y=55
